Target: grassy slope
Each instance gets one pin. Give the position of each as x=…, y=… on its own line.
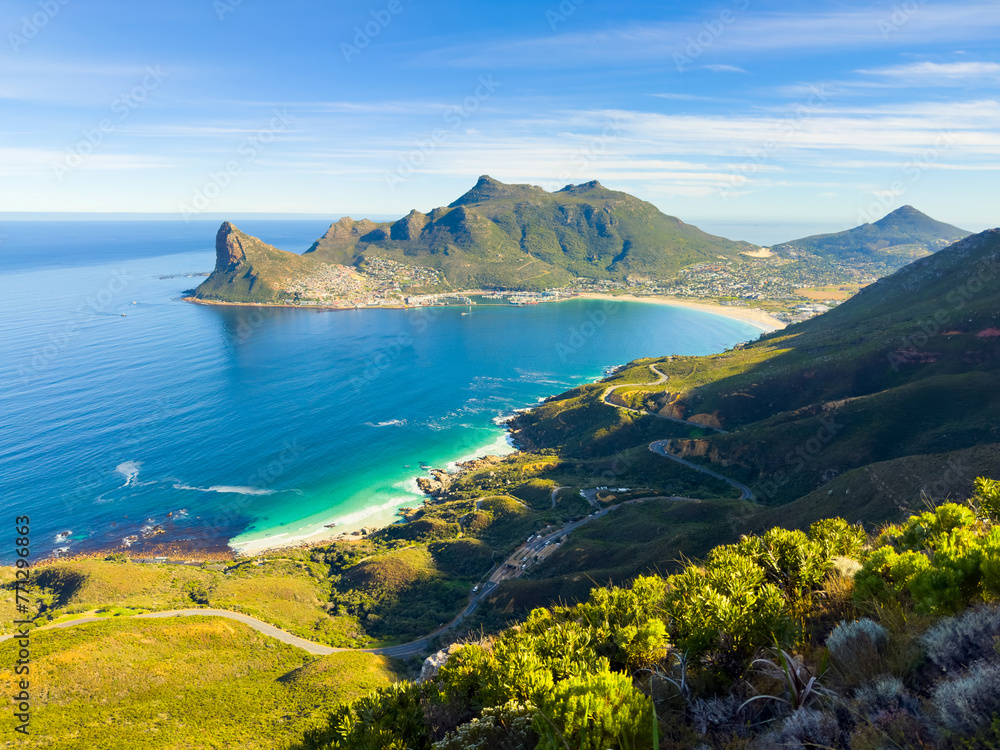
x=260, y=277
x=191, y=683
x=289, y=593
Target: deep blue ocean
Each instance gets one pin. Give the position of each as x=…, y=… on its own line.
x=259, y=426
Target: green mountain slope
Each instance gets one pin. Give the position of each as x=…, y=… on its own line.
x=495, y=236
x=249, y=270
x=904, y=233
x=908, y=367
x=523, y=237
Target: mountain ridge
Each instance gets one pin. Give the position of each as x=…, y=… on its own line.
x=904, y=232
x=495, y=236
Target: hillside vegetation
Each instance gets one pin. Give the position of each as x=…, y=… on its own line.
x=189, y=683
x=833, y=638
x=517, y=237
x=903, y=233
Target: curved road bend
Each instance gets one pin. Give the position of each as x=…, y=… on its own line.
x=659, y=447
x=519, y=555
x=662, y=379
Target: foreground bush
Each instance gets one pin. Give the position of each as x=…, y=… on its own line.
x=586, y=676
x=595, y=712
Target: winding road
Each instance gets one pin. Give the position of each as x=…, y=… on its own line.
x=660, y=381
x=659, y=447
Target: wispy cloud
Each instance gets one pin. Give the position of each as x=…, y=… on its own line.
x=749, y=32
x=937, y=74
x=719, y=68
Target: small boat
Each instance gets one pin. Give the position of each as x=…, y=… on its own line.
x=330, y=525
x=124, y=315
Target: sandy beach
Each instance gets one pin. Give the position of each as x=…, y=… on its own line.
x=755, y=316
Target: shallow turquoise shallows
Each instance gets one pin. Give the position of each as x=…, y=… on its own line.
x=124, y=409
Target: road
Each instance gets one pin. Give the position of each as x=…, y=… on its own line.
x=659, y=447
x=660, y=381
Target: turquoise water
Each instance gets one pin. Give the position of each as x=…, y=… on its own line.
x=259, y=426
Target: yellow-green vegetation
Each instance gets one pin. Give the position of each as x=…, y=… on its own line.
x=833, y=638
x=195, y=682
x=290, y=592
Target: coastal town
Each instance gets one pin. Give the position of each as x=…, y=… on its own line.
x=791, y=286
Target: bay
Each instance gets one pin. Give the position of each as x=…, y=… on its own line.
x=126, y=410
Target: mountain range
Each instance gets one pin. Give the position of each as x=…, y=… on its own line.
x=522, y=237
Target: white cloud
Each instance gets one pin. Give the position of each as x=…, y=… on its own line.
x=748, y=32
x=724, y=68
x=937, y=74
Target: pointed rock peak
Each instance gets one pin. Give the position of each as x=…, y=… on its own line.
x=486, y=189
x=229, y=246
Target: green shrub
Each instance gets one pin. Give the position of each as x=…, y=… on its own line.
x=507, y=727
x=595, y=712
x=390, y=718
x=987, y=497
x=941, y=561
x=838, y=538
x=726, y=609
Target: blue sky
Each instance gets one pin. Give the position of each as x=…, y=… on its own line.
x=739, y=110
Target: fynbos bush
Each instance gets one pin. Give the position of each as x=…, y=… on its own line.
x=886, y=695
x=857, y=650
x=966, y=704
x=505, y=728
x=806, y=728
x=957, y=642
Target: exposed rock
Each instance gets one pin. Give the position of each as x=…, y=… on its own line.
x=709, y=420
x=434, y=662
x=229, y=250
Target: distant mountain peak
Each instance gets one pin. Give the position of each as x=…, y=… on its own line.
x=487, y=189
x=901, y=235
